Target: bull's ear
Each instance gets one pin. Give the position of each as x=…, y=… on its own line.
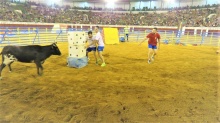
x=54, y=45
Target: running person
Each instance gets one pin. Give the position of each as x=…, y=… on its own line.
x=152, y=38
x=92, y=46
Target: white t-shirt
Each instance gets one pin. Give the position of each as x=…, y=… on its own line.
x=90, y=41
x=98, y=37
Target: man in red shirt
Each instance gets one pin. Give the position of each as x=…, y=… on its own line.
x=152, y=39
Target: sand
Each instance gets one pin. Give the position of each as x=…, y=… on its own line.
x=181, y=85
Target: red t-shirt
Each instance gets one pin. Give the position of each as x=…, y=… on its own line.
x=153, y=38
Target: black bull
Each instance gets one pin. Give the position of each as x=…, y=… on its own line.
x=28, y=54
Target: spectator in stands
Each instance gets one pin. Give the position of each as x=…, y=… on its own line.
x=32, y=12
x=126, y=31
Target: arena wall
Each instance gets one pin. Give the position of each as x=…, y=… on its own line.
x=29, y=33
x=4, y=24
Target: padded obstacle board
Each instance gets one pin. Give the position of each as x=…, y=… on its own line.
x=77, y=51
x=76, y=38
x=111, y=36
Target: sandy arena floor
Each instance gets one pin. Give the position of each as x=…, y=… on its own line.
x=181, y=85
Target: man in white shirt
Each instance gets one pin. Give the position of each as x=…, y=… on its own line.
x=92, y=46
x=98, y=39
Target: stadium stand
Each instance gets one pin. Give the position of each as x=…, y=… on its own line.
x=193, y=16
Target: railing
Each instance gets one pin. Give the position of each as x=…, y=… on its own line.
x=179, y=37
x=42, y=35
x=27, y=36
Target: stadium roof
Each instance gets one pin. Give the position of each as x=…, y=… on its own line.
x=100, y=1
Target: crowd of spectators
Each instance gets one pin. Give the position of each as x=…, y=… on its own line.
x=32, y=12
x=146, y=8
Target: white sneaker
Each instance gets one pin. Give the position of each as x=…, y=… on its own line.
x=149, y=61
x=152, y=58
